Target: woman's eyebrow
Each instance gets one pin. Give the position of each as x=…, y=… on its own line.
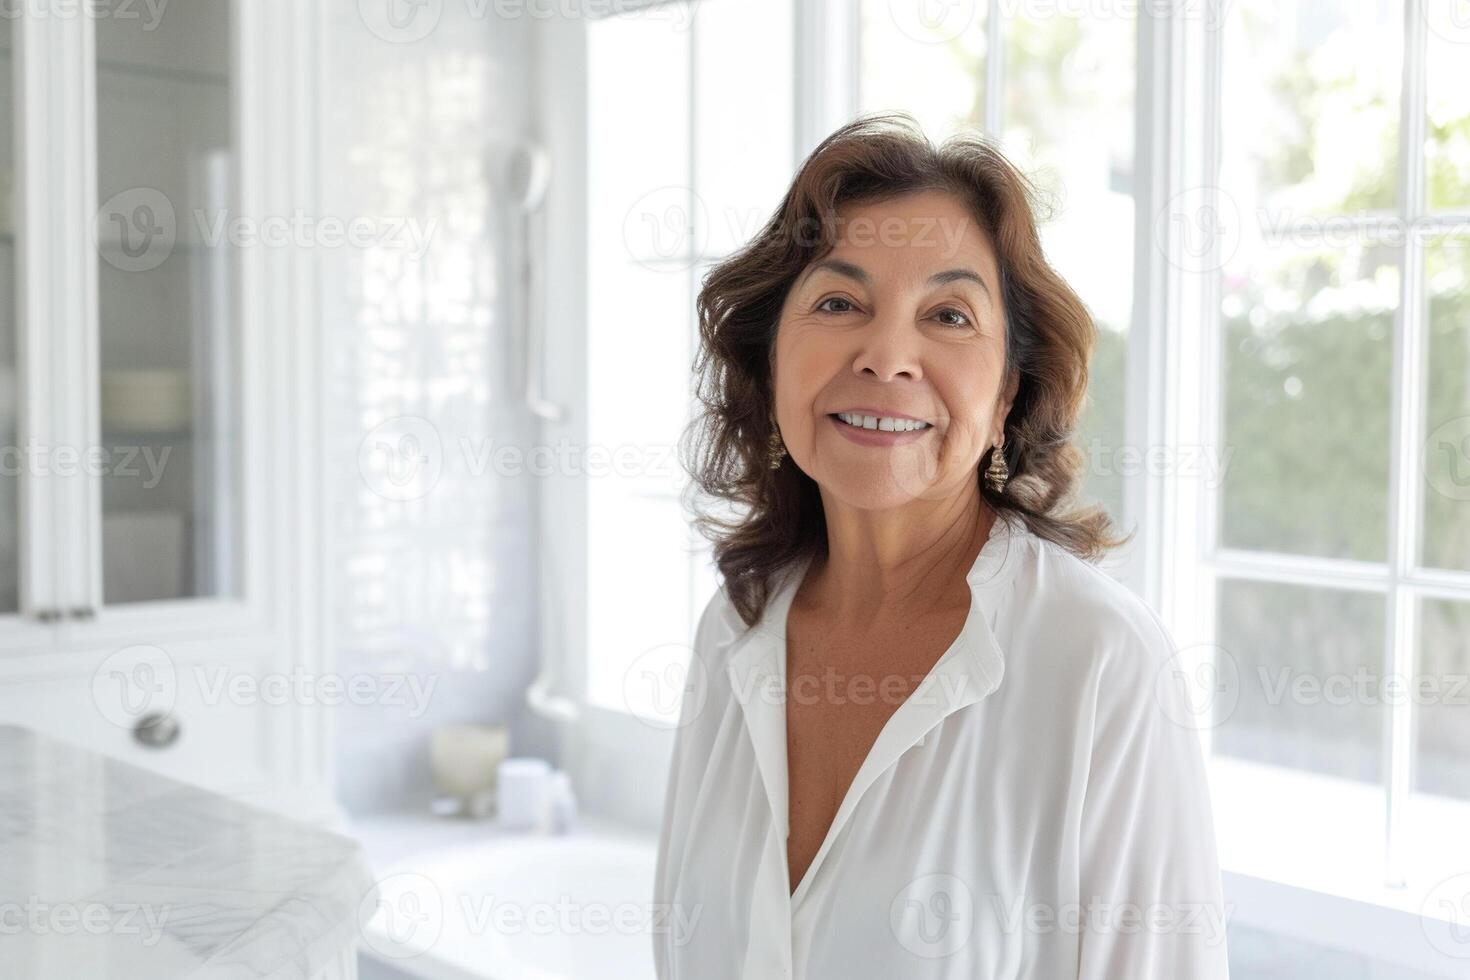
x=854, y=271
x=953, y=275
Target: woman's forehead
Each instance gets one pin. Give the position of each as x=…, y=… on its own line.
x=916, y=235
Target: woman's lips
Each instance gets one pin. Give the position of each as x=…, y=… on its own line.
x=877, y=437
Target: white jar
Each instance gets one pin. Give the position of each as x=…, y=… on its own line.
x=522, y=794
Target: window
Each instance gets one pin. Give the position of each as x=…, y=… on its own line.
x=1056, y=85
x=1342, y=527
x=1266, y=205
x=690, y=147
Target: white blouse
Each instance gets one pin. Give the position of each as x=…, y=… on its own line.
x=1037, y=808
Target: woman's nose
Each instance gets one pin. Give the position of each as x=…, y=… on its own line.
x=888, y=347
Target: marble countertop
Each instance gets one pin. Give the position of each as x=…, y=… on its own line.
x=111, y=872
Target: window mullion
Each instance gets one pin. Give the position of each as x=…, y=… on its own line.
x=1173, y=377
x=825, y=43
x=995, y=68
x=1406, y=442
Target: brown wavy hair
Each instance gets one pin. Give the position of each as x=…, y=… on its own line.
x=1049, y=340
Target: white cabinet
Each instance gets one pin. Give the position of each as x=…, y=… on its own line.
x=160, y=525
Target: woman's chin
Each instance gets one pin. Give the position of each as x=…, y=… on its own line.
x=881, y=487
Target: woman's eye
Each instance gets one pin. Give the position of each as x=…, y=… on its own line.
x=834, y=299
x=964, y=321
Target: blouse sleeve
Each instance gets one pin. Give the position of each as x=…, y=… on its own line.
x=1152, y=906
x=674, y=829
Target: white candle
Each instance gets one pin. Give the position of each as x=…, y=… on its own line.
x=465, y=758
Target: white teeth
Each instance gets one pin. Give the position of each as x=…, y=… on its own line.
x=884, y=424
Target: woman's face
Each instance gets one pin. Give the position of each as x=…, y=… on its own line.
x=902, y=319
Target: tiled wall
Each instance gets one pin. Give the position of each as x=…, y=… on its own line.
x=434, y=576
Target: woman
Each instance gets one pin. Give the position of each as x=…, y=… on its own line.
x=924, y=736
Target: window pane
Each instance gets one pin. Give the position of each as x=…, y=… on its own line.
x=745, y=129
x=1310, y=109
x=9, y=388
x=666, y=196
x=924, y=59
x=167, y=284
x=638, y=402
x=1441, y=698
x=640, y=625
x=1068, y=121
x=1308, y=661
x=639, y=331
x=1447, y=129
x=1446, y=541
x=1307, y=387
x=639, y=202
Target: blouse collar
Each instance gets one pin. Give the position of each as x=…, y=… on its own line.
x=970, y=670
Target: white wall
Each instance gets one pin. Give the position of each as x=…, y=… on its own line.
x=440, y=585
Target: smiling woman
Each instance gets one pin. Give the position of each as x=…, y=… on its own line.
x=876, y=200
x=923, y=736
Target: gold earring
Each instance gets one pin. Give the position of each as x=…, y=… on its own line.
x=998, y=473
x=775, y=448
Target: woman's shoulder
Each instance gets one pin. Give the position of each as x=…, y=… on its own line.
x=1075, y=600
x=718, y=625
x=1084, y=629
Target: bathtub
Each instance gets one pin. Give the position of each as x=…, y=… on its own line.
x=459, y=900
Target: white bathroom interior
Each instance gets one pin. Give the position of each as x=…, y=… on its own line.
x=344, y=356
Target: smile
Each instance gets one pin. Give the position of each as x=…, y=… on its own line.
x=880, y=423
x=868, y=430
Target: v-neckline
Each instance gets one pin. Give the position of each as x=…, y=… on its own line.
x=867, y=772
x=968, y=671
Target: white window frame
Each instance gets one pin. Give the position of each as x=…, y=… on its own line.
x=1194, y=558
x=609, y=753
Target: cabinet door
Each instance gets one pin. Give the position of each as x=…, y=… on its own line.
x=30, y=449
x=163, y=340
x=168, y=356
x=154, y=321
x=11, y=459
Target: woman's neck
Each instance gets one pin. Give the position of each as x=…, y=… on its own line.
x=883, y=562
